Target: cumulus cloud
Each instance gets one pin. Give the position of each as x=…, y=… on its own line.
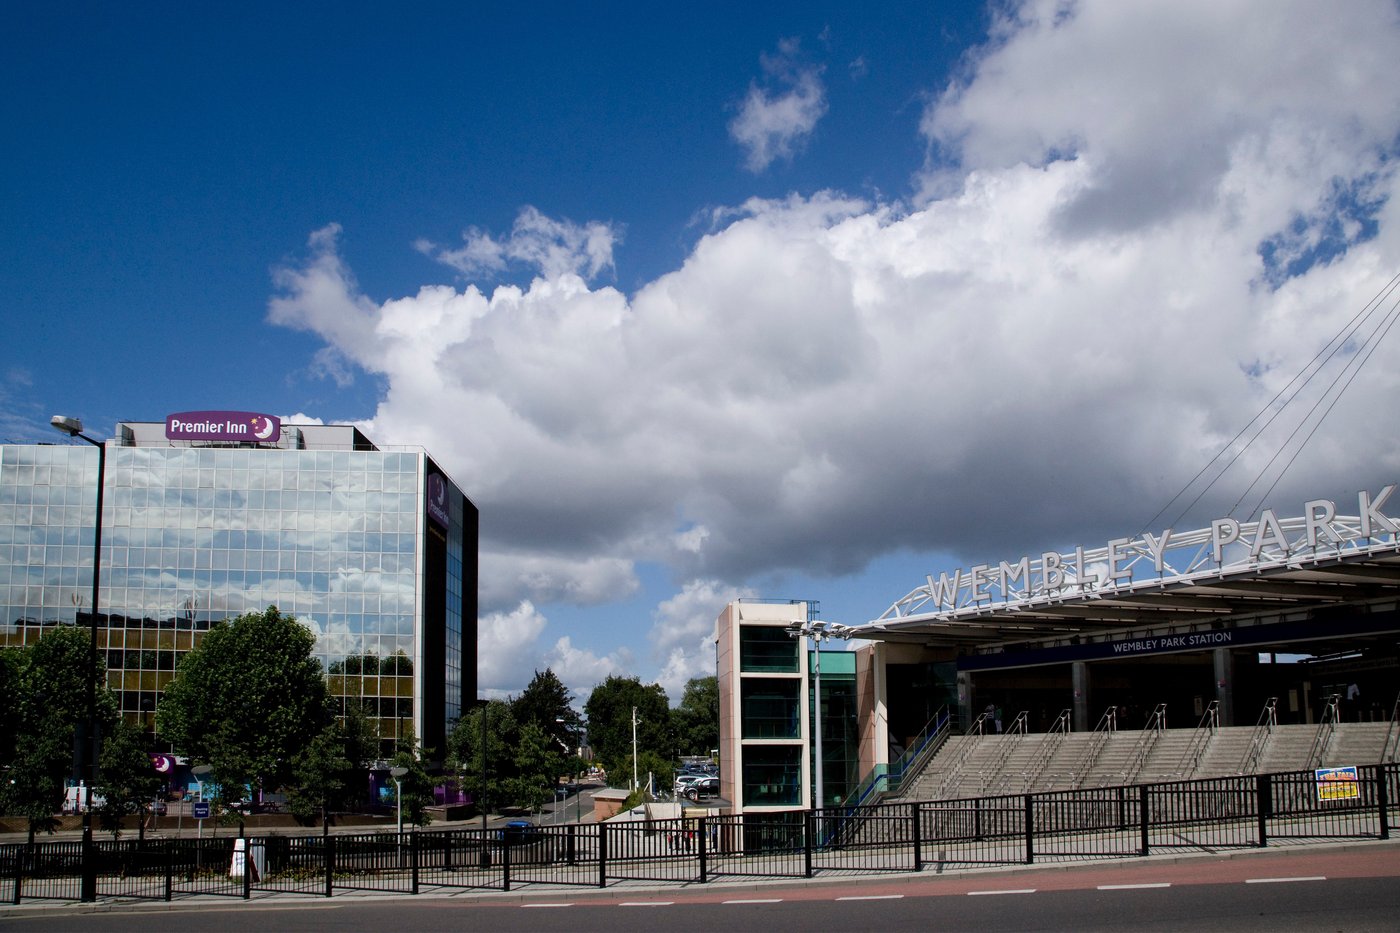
x=550, y=247
x=777, y=116
x=1117, y=255
x=683, y=632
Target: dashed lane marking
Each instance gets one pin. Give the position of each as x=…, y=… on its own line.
x=1284, y=880
x=546, y=905
x=1004, y=891
x=756, y=900
x=871, y=897
x=646, y=903
x=1134, y=887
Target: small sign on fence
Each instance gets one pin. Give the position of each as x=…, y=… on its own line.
x=1338, y=783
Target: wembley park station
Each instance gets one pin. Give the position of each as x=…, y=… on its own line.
x=1177, y=649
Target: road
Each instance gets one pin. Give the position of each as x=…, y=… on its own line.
x=1350, y=889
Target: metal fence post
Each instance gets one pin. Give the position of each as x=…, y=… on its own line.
x=505, y=861
x=1382, y=801
x=602, y=855
x=247, y=863
x=809, y=828
x=330, y=865
x=703, y=832
x=1264, y=802
x=168, y=846
x=21, y=855
x=413, y=856
x=1144, y=814
x=916, y=834
x=1030, y=830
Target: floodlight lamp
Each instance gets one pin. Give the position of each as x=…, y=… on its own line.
x=70, y=426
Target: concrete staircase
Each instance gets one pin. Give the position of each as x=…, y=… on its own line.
x=1004, y=764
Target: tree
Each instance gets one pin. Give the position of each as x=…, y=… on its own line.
x=465, y=751
x=696, y=720
x=127, y=782
x=546, y=703
x=415, y=787
x=248, y=700
x=609, y=710
x=538, y=764
x=322, y=776
x=51, y=680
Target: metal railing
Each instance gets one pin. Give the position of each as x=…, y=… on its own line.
x=1259, y=739
x=1392, y=736
x=1108, y=724
x=889, y=779
x=1151, y=733
x=1200, y=741
x=1325, y=730
x=1071, y=825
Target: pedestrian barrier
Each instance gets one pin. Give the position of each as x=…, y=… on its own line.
x=1090, y=823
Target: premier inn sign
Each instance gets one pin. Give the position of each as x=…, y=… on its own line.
x=240, y=426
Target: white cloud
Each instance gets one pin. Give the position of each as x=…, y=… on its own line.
x=683, y=632
x=551, y=247
x=1127, y=260
x=774, y=121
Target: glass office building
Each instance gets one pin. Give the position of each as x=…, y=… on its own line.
x=375, y=550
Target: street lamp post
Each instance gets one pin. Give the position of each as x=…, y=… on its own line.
x=73, y=427
x=818, y=632
x=578, y=754
x=397, y=774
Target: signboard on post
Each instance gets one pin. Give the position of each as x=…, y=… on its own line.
x=200, y=809
x=1337, y=783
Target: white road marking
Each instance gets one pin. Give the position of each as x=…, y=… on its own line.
x=646, y=903
x=1005, y=891
x=756, y=900
x=1284, y=880
x=546, y=905
x=871, y=897
x=1134, y=887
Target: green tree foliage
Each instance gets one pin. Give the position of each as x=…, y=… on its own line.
x=609, y=711
x=49, y=708
x=465, y=753
x=127, y=781
x=416, y=786
x=538, y=764
x=545, y=702
x=323, y=774
x=248, y=700
x=696, y=720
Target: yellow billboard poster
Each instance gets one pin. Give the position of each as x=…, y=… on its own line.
x=1337, y=783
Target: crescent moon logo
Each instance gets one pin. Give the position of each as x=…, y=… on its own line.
x=162, y=763
x=262, y=428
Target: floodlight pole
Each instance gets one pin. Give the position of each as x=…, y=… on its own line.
x=73, y=427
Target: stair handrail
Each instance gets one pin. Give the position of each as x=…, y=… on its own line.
x=885, y=778
x=1392, y=735
x=1156, y=724
x=925, y=745
x=1325, y=729
x=1200, y=741
x=1108, y=724
x=1259, y=738
x=1049, y=744
x=1018, y=727
x=975, y=733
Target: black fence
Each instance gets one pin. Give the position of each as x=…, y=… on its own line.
x=1095, y=823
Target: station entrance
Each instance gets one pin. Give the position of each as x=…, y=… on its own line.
x=1290, y=612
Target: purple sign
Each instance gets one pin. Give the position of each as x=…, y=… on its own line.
x=437, y=499
x=246, y=426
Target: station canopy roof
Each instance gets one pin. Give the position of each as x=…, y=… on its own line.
x=1229, y=574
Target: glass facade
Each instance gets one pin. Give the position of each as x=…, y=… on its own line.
x=338, y=538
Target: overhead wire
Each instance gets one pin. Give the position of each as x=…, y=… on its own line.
x=1232, y=450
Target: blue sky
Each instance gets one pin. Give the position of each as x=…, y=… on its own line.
x=789, y=300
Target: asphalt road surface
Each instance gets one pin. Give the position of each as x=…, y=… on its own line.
x=1353, y=889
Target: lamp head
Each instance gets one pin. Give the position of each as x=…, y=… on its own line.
x=70, y=426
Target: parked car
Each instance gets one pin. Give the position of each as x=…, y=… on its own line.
x=704, y=787
x=519, y=832
x=159, y=807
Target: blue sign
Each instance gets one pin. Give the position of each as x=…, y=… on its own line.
x=201, y=810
